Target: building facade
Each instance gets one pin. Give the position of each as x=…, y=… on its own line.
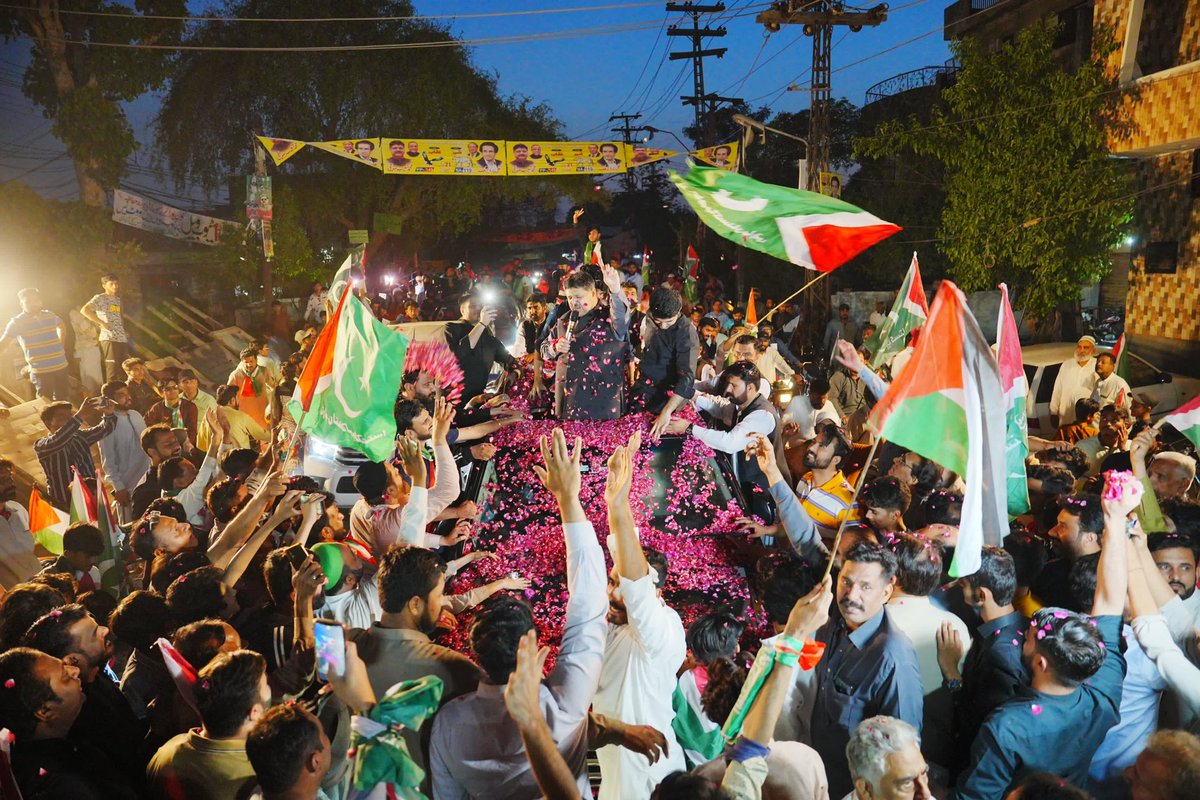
x=1157, y=275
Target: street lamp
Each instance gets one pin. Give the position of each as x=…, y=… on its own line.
x=750, y=126
x=652, y=130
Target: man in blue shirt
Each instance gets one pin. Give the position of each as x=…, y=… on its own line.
x=1076, y=669
x=40, y=333
x=869, y=667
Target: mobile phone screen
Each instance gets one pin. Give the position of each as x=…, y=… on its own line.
x=331, y=648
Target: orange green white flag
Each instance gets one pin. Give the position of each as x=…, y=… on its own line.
x=948, y=406
x=46, y=523
x=1186, y=420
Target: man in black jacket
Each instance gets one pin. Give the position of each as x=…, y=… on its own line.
x=475, y=345
x=668, y=364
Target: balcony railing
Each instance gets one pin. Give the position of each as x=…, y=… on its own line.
x=913, y=79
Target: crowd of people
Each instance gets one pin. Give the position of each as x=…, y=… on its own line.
x=252, y=638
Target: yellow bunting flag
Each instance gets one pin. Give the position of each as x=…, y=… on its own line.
x=564, y=158
x=723, y=156
x=280, y=150
x=638, y=154
x=364, y=151
x=443, y=156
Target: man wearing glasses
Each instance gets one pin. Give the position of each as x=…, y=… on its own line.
x=174, y=409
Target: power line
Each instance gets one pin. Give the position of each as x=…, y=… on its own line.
x=273, y=20
x=572, y=33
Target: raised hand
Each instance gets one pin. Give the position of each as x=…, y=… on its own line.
x=612, y=278
x=620, y=470
x=286, y=508
x=811, y=611
x=522, y=694
x=308, y=579
x=443, y=418
x=848, y=356
x=412, y=460
x=1122, y=494
x=560, y=473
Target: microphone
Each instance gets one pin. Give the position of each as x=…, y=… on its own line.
x=572, y=318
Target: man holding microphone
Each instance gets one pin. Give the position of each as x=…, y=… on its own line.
x=589, y=347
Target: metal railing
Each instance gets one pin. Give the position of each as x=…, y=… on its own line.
x=913, y=79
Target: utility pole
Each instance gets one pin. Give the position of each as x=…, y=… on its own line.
x=819, y=17
x=703, y=102
x=260, y=169
x=628, y=179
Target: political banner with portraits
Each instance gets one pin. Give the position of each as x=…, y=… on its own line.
x=411, y=156
x=564, y=158
x=259, y=199
x=364, y=151
x=280, y=150
x=150, y=215
x=830, y=184
x=722, y=156
x=443, y=156
x=637, y=155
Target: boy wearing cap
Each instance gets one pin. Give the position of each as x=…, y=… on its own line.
x=1076, y=380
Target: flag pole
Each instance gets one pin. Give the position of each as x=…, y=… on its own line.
x=295, y=435
x=782, y=302
x=862, y=479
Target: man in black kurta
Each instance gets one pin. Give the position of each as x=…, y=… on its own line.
x=476, y=348
x=589, y=347
x=668, y=362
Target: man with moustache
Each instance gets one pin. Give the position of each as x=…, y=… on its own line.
x=1176, y=557
x=41, y=709
x=869, y=667
x=397, y=647
x=107, y=720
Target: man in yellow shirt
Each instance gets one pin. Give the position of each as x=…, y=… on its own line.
x=244, y=430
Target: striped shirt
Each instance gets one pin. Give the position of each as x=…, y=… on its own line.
x=38, y=335
x=70, y=446
x=108, y=309
x=829, y=502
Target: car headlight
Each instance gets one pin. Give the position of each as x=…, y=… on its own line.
x=321, y=449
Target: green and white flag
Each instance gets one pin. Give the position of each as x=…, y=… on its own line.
x=347, y=392
x=808, y=229
x=1016, y=391
x=908, y=313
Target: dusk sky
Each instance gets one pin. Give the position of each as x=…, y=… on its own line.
x=583, y=79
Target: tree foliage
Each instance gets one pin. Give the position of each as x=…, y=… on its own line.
x=80, y=88
x=205, y=123
x=1030, y=186
x=60, y=245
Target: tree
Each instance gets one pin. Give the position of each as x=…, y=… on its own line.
x=62, y=247
x=81, y=86
x=1032, y=196
x=429, y=92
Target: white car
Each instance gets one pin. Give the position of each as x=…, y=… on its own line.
x=1042, y=361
